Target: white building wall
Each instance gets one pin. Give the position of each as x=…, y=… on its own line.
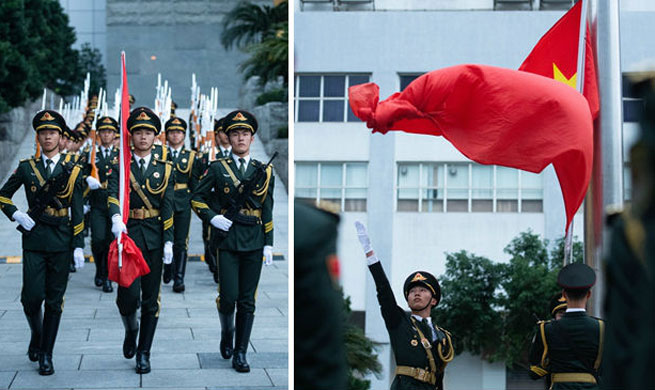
x=89, y=18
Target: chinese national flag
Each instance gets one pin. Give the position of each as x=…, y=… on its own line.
x=556, y=56
x=493, y=116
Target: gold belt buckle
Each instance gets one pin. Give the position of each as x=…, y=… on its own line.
x=421, y=375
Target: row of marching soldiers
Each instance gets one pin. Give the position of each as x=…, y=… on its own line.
x=166, y=182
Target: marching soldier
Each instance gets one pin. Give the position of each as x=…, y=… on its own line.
x=150, y=225
x=421, y=348
x=101, y=237
x=188, y=167
x=570, y=349
x=53, y=184
x=245, y=238
x=557, y=306
x=222, y=140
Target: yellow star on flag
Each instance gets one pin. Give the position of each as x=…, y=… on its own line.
x=559, y=76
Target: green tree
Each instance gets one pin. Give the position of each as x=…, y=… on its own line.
x=91, y=62
x=468, y=306
x=269, y=59
x=360, y=352
x=248, y=24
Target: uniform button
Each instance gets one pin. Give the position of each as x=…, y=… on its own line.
x=142, y=186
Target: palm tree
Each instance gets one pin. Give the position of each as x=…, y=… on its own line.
x=269, y=58
x=248, y=24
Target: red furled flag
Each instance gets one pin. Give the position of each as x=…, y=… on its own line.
x=556, y=56
x=125, y=260
x=493, y=116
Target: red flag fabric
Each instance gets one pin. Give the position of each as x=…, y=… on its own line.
x=134, y=265
x=493, y=116
x=131, y=264
x=556, y=56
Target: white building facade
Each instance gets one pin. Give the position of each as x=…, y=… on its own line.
x=418, y=195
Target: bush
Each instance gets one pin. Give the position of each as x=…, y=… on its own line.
x=283, y=132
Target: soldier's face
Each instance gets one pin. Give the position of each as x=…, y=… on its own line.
x=419, y=297
x=240, y=140
x=175, y=138
x=49, y=139
x=221, y=138
x=106, y=137
x=143, y=139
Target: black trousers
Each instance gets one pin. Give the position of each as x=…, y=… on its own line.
x=148, y=286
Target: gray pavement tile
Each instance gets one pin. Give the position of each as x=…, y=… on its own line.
x=278, y=376
x=63, y=379
x=268, y=345
x=259, y=331
x=24, y=334
x=158, y=361
x=117, y=334
x=198, y=378
x=256, y=360
x=6, y=378
x=22, y=363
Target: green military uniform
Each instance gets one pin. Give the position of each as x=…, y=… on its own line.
x=629, y=353
x=150, y=225
x=99, y=218
x=240, y=261
x=188, y=166
x=320, y=359
x=570, y=349
x=421, y=349
x=48, y=246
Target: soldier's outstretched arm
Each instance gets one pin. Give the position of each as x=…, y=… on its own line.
x=201, y=195
x=7, y=192
x=112, y=192
x=77, y=212
x=391, y=312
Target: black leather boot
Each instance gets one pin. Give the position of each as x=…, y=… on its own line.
x=131, y=332
x=179, y=261
x=227, y=334
x=96, y=250
x=35, y=321
x=106, y=286
x=243, y=328
x=50, y=328
x=168, y=273
x=148, y=326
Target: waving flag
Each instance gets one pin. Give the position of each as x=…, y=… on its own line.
x=493, y=116
x=125, y=260
x=556, y=56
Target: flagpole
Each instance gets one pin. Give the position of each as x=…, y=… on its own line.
x=607, y=177
x=121, y=177
x=579, y=85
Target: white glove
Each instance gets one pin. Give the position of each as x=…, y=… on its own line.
x=220, y=222
x=78, y=257
x=117, y=225
x=365, y=241
x=93, y=183
x=168, y=252
x=23, y=220
x=87, y=208
x=268, y=255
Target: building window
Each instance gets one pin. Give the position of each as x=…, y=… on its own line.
x=467, y=187
x=324, y=98
x=345, y=184
x=407, y=78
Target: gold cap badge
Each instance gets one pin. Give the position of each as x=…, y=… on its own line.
x=106, y=120
x=239, y=117
x=143, y=117
x=418, y=277
x=176, y=121
x=47, y=117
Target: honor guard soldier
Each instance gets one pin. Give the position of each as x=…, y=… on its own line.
x=320, y=357
x=570, y=349
x=557, y=306
x=422, y=349
x=187, y=168
x=150, y=225
x=53, y=184
x=243, y=190
x=105, y=160
x=629, y=305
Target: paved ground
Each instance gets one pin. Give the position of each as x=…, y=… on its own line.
x=88, y=352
